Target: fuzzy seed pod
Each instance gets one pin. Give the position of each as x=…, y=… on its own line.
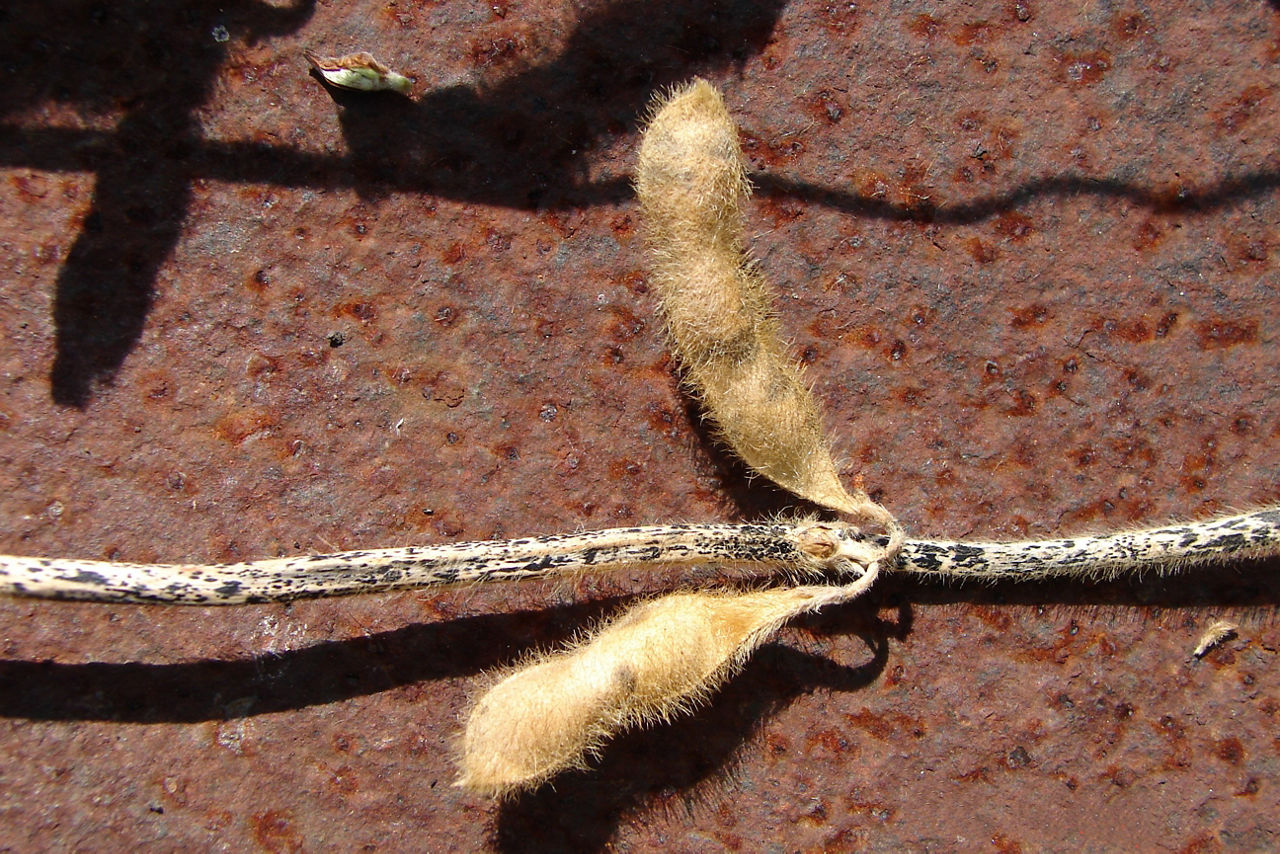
x=691, y=184
x=656, y=660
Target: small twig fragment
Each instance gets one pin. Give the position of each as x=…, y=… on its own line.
x=1218, y=632
x=359, y=72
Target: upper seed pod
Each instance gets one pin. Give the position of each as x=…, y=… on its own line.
x=691, y=184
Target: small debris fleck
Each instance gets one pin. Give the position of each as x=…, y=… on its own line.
x=1218, y=631
x=359, y=72
x=220, y=34
x=337, y=339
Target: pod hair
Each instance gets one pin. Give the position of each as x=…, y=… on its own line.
x=654, y=661
x=691, y=183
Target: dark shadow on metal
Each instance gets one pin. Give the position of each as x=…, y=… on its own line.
x=666, y=766
x=517, y=143
x=1188, y=198
x=663, y=765
x=332, y=671
x=156, y=62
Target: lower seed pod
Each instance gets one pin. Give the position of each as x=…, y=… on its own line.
x=656, y=660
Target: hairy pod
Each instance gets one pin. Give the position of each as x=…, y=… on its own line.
x=654, y=661
x=691, y=184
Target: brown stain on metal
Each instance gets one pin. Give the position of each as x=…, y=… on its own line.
x=1230, y=750
x=771, y=154
x=1233, y=116
x=1224, y=333
x=273, y=830
x=924, y=26
x=884, y=726
x=1087, y=68
x=1030, y=317
x=1014, y=226
x=826, y=106
x=238, y=426
x=499, y=50
x=982, y=252
x=976, y=32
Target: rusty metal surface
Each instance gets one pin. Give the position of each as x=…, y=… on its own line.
x=1029, y=251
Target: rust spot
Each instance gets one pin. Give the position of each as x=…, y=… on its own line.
x=238, y=426
x=1135, y=330
x=1005, y=845
x=1014, y=226
x=1024, y=403
x=1233, y=116
x=978, y=32
x=31, y=187
x=342, y=780
x=444, y=389
x=624, y=323
x=622, y=226
x=816, y=815
x=824, y=106
x=488, y=53
x=446, y=316
x=981, y=774
x=1120, y=777
x=840, y=17
x=1083, y=69
x=1030, y=317
x=832, y=742
x=983, y=253
x=884, y=726
x=776, y=744
x=1149, y=235
x=781, y=211
x=258, y=282
x=454, y=254
x=1205, y=843
x=634, y=281
x=274, y=831
x=1166, y=323
x=497, y=241
x=925, y=26
x=156, y=386
x=922, y=314
x=993, y=617
x=913, y=396
x=870, y=184
x=1222, y=334
x=914, y=193
x=621, y=469
x=361, y=311
x=1127, y=26
x=661, y=419
x=1229, y=750
x=770, y=154
x=260, y=364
